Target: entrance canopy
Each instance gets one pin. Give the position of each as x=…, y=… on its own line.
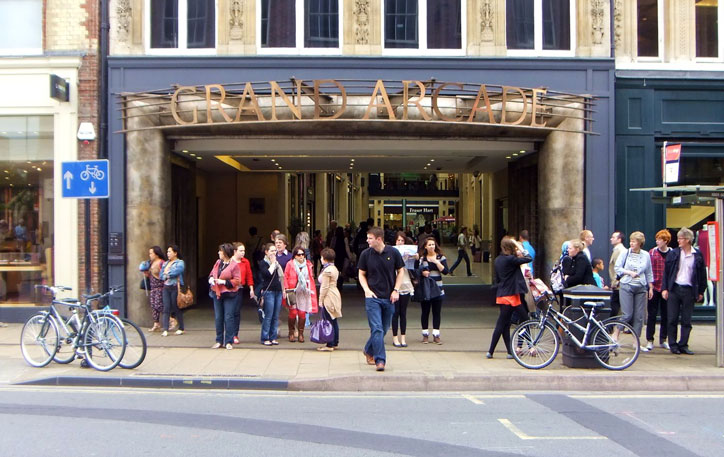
x=322, y=125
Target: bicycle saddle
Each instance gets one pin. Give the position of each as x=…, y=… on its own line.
x=592, y=304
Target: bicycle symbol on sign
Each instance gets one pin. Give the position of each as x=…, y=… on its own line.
x=92, y=172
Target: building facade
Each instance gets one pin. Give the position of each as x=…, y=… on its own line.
x=49, y=69
x=355, y=109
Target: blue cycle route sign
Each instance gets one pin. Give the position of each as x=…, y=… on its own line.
x=85, y=179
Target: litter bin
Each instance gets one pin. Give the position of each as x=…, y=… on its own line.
x=573, y=298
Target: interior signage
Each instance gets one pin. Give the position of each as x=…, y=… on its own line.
x=499, y=105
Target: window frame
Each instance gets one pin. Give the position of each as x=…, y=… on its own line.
x=300, y=49
x=720, y=32
x=538, y=35
x=422, y=33
x=660, y=25
x=182, y=33
x=8, y=52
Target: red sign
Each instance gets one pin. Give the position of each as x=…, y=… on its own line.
x=672, y=152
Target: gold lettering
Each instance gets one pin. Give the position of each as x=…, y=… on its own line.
x=417, y=102
x=436, y=95
x=296, y=110
x=534, y=109
x=380, y=87
x=317, y=106
x=174, y=106
x=254, y=104
x=486, y=100
x=222, y=93
x=505, y=102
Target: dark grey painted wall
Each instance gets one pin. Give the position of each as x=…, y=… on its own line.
x=580, y=76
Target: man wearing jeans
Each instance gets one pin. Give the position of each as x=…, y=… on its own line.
x=684, y=283
x=380, y=275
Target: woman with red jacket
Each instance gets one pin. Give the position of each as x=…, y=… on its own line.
x=246, y=287
x=299, y=279
x=224, y=281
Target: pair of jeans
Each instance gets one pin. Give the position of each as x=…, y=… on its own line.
x=633, y=299
x=224, y=308
x=272, y=306
x=400, y=315
x=379, y=316
x=681, y=301
x=462, y=255
x=170, y=305
x=656, y=303
x=436, y=305
x=335, y=328
x=237, y=309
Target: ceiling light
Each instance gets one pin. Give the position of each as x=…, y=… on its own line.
x=522, y=151
x=432, y=160
x=192, y=154
x=198, y=158
x=39, y=169
x=185, y=151
x=515, y=154
x=351, y=160
x=273, y=160
x=507, y=157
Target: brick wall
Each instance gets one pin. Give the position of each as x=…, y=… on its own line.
x=72, y=26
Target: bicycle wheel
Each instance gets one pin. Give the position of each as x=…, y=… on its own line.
x=39, y=340
x=534, y=347
x=135, y=345
x=616, y=354
x=66, y=349
x=104, y=343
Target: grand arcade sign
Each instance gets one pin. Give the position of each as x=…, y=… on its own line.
x=331, y=99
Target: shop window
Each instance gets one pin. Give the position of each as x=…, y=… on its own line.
x=647, y=21
x=299, y=26
x=707, y=28
x=26, y=207
x=21, y=23
x=434, y=26
x=540, y=26
x=182, y=25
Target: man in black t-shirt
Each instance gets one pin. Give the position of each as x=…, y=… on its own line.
x=380, y=274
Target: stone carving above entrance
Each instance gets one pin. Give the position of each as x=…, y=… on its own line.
x=236, y=20
x=123, y=14
x=487, y=20
x=597, y=17
x=618, y=24
x=362, y=22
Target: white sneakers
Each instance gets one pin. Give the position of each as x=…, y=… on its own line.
x=665, y=345
x=650, y=346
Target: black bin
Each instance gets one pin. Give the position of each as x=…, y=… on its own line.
x=573, y=298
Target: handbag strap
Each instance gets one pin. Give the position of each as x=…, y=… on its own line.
x=270, y=282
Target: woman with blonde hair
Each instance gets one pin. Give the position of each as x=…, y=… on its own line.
x=634, y=269
x=578, y=270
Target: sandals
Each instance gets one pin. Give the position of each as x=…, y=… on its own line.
x=156, y=327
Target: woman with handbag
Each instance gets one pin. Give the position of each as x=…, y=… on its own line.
x=271, y=285
x=511, y=283
x=301, y=293
x=172, y=272
x=224, y=281
x=155, y=289
x=399, y=318
x=330, y=299
x=430, y=266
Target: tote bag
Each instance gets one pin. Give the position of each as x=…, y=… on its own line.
x=321, y=331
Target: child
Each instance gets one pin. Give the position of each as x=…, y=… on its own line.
x=330, y=301
x=597, y=266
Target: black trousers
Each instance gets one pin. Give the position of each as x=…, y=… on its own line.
x=436, y=305
x=170, y=293
x=462, y=255
x=656, y=304
x=681, y=302
x=335, y=328
x=400, y=315
x=615, y=303
x=502, y=327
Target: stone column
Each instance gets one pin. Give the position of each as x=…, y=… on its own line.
x=148, y=203
x=560, y=188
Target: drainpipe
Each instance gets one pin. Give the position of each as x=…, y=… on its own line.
x=103, y=131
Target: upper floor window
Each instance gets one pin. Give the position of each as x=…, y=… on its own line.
x=182, y=25
x=21, y=27
x=708, y=20
x=647, y=22
x=314, y=31
x=540, y=25
x=433, y=25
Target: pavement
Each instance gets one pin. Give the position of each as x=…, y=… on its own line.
x=468, y=319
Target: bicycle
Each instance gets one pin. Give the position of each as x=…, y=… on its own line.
x=536, y=342
x=92, y=172
x=136, y=346
x=98, y=337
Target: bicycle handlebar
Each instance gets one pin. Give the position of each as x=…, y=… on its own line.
x=110, y=292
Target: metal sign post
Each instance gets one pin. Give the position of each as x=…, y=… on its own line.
x=86, y=179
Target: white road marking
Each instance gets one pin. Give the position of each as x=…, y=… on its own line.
x=473, y=399
x=524, y=436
